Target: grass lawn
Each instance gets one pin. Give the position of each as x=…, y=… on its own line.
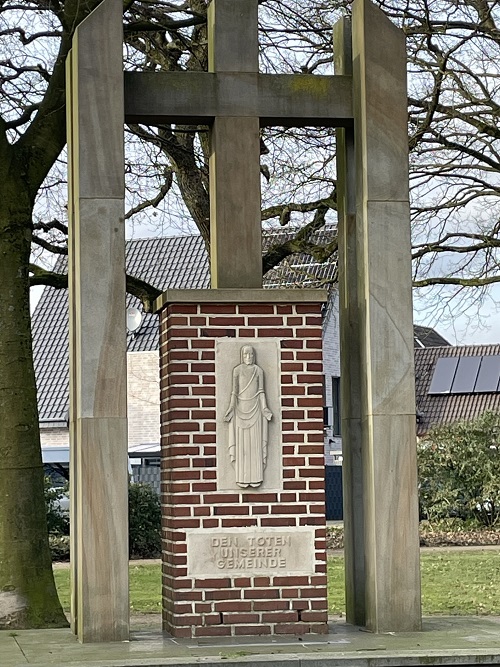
x=463, y=583
x=453, y=582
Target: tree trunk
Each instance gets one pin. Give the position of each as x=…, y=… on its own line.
x=28, y=597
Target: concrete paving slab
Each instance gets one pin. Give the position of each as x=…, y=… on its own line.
x=445, y=641
x=10, y=652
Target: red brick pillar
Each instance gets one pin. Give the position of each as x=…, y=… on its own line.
x=247, y=588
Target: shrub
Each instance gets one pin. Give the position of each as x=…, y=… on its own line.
x=59, y=547
x=459, y=473
x=57, y=519
x=144, y=522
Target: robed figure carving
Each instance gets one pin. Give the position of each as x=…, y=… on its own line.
x=248, y=417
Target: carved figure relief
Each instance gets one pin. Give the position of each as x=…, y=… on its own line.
x=248, y=416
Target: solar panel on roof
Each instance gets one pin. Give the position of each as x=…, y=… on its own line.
x=444, y=373
x=465, y=376
x=489, y=374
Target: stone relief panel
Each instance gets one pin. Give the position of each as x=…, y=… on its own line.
x=250, y=551
x=248, y=401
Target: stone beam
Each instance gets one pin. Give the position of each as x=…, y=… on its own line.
x=234, y=164
x=232, y=295
x=98, y=424
x=289, y=100
x=384, y=293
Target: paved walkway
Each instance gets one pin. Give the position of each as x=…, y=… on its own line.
x=444, y=641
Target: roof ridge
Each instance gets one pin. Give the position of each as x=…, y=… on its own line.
x=328, y=226
x=158, y=238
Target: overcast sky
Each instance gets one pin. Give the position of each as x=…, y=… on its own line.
x=477, y=326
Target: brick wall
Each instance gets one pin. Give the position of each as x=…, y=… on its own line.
x=54, y=437
x=250, y=604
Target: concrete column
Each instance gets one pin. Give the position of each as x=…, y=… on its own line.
x=392, y=573
x=235, y=217
x=98, y=424
x=350, y=376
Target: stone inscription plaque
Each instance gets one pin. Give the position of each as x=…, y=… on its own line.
x=248, y=404
x=250, y=551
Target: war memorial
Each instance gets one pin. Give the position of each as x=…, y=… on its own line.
x=243, y=521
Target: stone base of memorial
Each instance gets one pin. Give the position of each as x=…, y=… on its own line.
x=243, y=492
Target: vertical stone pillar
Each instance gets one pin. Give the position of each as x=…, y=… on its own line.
x=392, y=574
x=98, y=424
x=242, y=561
x=235, y=215
x=350, y=350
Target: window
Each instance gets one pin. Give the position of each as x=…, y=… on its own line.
x=336, y=406
x=331, y=414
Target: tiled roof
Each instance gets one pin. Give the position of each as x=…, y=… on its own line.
x=427, y=337
x=167, y=262
x=300, y=270
x=49, y=325
x=435, y=409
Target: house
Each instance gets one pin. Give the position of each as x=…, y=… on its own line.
x=455, y=383
x=169, y=262
x=427, y=337
x=181, y=262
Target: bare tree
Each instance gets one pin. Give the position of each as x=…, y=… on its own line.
x=453, y=55
x=35, y=37
x=453, y=128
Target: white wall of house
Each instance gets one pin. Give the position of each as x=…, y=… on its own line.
x=143, y=386
x=331, y=368
x=54, y=437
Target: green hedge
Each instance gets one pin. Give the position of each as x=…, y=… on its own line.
x=59, y=547
x=144, y=524
x=459, y=471
x=57, y=519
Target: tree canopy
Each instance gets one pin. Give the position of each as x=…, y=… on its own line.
x=453, y=125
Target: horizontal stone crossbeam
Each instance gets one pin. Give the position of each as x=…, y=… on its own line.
x=289, y=100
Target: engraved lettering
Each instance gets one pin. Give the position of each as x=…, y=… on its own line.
x=265, y=556
x=224, y=541
x=252, y=552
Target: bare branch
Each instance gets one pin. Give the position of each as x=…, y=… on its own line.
x=135, y=286
x=49, y=226
x=301, y=243
x=283, y=211
x=463, y=282
x=51, y=247
x=155, y=201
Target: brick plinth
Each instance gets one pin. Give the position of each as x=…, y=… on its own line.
x=250, y=604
